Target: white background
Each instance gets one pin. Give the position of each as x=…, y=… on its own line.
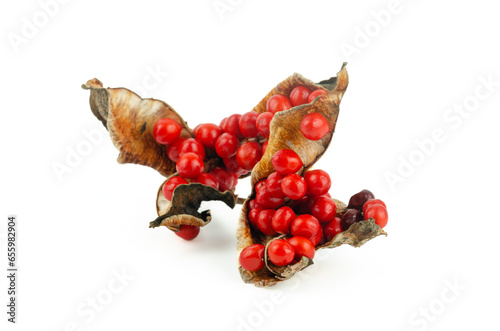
x=78, y=230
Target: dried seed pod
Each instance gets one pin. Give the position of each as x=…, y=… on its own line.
x=285, y=126
x=335, y=86
x=186, y=200
x=285, y=133
x=284, y=272
x=130, y=121
x=357, y=235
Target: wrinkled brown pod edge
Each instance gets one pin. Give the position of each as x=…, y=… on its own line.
x=285, y=133
x=357, y=235
x=130, y=120
x=285, y=126
x=186, y=200
x=284, y=272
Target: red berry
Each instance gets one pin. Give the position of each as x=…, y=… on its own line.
x=264, y=146
x=314, y=126
x=166, y=131
x=188, y=232
x=302, y=247
x=359, y=199
x=316, y=93
x=170, y=185
x=305, y=226
x=252, y=257
x=264, y=221
x=265, y=200
x=324, y=209
x=226, y=180
x=263, y=122
x=247, y=124
x=232, y=166
x=373, y=202
x=280, y=252
x=273, y=185
x=207, y=179
x=278, y=103
x=248, y=155
x=174, y=149
x=286, y=161
x=350, y=217
x=253, y=216
x=261, y=184
x=294, y=186
x=252, y=204
x=379, y=213
x=318, y=238
x=332, y=229
x=299, y=95
x=207, y=134
x=232, y=125
x=222, y=124
x=312, y=199
x=318, y=182
x=226, y=145
x=190, y=165
x=192, y=145
x=196, y=128
x=282, y=220
x=303, y=205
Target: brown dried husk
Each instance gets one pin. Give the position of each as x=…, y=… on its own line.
x=186, y=200
x=130, y=121
x=285, y=125
x=286, y=134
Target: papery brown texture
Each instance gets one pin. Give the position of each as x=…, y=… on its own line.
x=357, y=235
x=186, y=200
x=285, y=126
x=284, y=272
x=286, y=134
x=130, y=121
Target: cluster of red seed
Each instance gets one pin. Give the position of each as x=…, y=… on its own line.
x=239, y=141
x=298, y=207
x=301, y=209
x=363, y=206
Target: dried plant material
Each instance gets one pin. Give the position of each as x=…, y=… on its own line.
x=186, y=201
x=341, y=207
x=270, y=274
x=246, y=237
x=285, y=133
x=284, y=272
x=357, y=235
x=335, y=86
x=285, y=126
x=130, y=121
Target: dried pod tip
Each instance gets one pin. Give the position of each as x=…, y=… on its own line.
x=182, y=212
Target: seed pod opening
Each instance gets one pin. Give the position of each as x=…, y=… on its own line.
x=285, y=133
x=186, y=201
x=130, y=120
